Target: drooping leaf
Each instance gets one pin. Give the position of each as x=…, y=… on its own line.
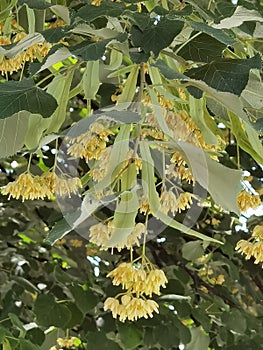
x=51, y=313
x=129, y=89
x=54, y=35
x=247, y=138
x=98, y=340
x=156, y=36
x=202, y=48
x=211, y=175
x=16, y=96
x=59, y=88
x=148, y=184
x=91, y=80
x=36, y=127
x=13, y=131
x=240, y=16
x=59, y=55
x=22, y=45
x=61, y=228
x=228, y=75
x=218, y=34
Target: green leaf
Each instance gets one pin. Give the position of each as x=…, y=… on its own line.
x=85, y=299
x=51, y=313
x=166, y=336
x=218, y=34
x=13, y=132
x=252, y=96
x=106, y=9
x=38, y=5
x=90, y=52
x=228, y=75
x=235, y=321
x=199, y=341
x=16, y=96
x=59, y=88
x=129, y=89
x=17, y=324
x=36, y=127
x=59, y=55
x=246, y=139
x=197, y=113
x=6, y=345
x=130, y=335
x=76, y=316
x=35, y=335
x=156, y=37
x=240, y=16
x=192, y=250
x=98, y=340
x=202, y=48
x=211, y=175
x=54, y=35
x=27, y=345
x=61, y=228
x=22, y=45
x=91, y=80
x=148, y=184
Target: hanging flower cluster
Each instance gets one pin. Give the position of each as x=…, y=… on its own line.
x=253, y=247
x=140, y=279
x=101, y=233
x=33, y=52
x=91, y=144
x=66, y=343
x=47, y=185
x=246, y=201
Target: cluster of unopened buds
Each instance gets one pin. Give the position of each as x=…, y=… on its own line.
x=140, y=279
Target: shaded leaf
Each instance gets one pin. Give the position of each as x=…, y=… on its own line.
x=16, y=96
x=130, y=335
x=85, y=299
x=228, y=75
x=202, y=48
x=235, y=321
x=192, y=250
x=218, y=34
x=90, y=51
x=156, y=36
x=39, y=5
x=21, y=45
x=98, y=340
x=106, y=9
x=51, y=313
x=27, y=345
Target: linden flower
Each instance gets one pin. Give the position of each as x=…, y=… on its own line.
x=123, y=274
x=168, y=202
x=184, y=201
x=101, y=168
x=257, y=252
x=133, y=238
x=26, y=186
x=138, y=308
x=99, y=234
x=155, y=279
x=258, y=232
x=113, y=305
x=246, y=200
x=244, y=247
x=66, y=343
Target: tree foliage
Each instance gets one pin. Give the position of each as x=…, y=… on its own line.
x=131, y=159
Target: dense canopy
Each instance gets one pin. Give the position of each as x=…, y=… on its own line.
x=131, y=169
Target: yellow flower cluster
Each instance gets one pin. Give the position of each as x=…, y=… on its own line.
x=33, y=52
x=101, y=233
x=91, y=144
x=66, y=343
x=172, y=203
x=252, y=247
x=246, y=200
x=139, y=282
x=47, y=185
